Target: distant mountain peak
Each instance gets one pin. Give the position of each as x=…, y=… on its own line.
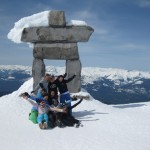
x=109, y=85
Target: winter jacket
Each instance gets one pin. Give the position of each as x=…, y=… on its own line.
x=53, y=100
x=41, y=109
x=38, y=100
x=52, y=86
x=42, y=85
x=62, y=86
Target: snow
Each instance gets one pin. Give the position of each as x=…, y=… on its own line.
x=138, y=82
x=77, y=23
x=119, y=76
x=26, y=69
x=14, y=67
x=112, y=74
x=106, y=127
x=35, y=20
x=11, y=78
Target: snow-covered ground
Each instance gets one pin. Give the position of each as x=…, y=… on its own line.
x=119, y=127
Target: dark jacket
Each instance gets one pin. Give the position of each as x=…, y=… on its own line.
x=53, y=100
x=38, y=100
x=62, y=86
x=52, y=86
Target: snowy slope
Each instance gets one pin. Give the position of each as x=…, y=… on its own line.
x=121, y=127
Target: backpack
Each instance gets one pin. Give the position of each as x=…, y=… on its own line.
x=33, y=116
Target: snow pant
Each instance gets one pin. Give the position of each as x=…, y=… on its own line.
x=42, y=117
x=52, y=118
x=66, y=99
x=69, y=121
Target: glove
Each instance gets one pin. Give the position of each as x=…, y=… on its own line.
x=32, y=92
x=26, y=94
x=74, y=98
x=65, y=75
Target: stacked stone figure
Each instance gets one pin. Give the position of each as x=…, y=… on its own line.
x=57, y=41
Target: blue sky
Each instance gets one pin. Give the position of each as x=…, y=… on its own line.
x=121, y=37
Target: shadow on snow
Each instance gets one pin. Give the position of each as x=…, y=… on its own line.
x=87, y=114
x=129, y=106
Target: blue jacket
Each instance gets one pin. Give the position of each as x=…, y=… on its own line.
x=38, y=100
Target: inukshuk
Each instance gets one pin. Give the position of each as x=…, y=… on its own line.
x=57, y=41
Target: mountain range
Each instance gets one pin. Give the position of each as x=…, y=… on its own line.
x=108, y=85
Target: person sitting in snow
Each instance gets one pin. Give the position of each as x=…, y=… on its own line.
x=61, y=119
x=43, y=109
x=52, y=85
x=67, y=119
x=53, y=101
x=34, y=111
x=63, y=90
x=42, y=86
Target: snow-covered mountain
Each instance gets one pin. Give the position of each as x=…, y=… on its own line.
x=12, y=77
x=111, y=86
x=116, y=86
x=106, y=127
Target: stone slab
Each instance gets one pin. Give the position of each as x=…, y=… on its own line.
x=58, y=51
x=57, y=18
x=68, y=34
x=38, y=71
x=74, y=67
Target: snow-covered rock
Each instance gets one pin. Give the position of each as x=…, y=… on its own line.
x=35, y=20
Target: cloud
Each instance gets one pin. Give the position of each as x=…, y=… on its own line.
x=143, y=3
x=38, y=7
x=130, y=46
x=85, y=15
x=59, y=1
x=133, y=47
x=101, y=31
x=92, y=20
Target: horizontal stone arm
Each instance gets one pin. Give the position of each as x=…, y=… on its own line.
x=60, y=51
x=69, y=34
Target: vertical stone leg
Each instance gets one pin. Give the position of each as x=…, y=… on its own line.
x=74, y=67
x=38, y=71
